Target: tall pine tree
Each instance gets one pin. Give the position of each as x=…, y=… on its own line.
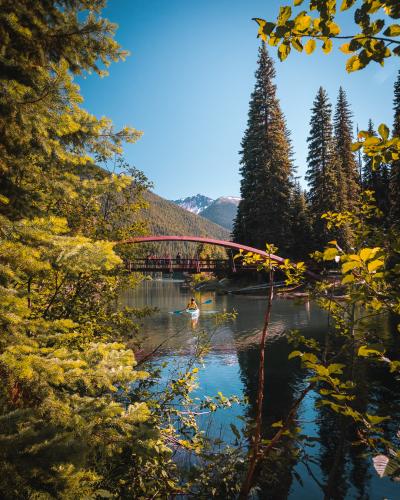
x=377, y=180
x=300, y=224
x=323, y=173
x=395, y=170
x=349, y=181
x=266, y=167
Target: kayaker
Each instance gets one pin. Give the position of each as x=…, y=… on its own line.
x=192, y=306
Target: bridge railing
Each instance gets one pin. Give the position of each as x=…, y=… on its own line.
x=166, y=264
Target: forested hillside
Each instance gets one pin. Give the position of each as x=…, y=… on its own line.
x=165, y=217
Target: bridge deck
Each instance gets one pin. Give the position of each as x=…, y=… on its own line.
x=168, y=265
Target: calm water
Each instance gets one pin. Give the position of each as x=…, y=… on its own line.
x=231, y=367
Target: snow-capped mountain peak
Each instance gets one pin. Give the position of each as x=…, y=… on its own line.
x=222, y=211
x=195, y=204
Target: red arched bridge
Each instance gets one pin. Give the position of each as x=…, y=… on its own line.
x=193, y=265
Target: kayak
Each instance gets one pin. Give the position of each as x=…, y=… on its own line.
x=194, y=313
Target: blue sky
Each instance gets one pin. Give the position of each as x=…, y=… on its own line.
x=187, y=83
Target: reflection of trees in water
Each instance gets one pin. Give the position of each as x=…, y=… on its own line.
x=344, y=469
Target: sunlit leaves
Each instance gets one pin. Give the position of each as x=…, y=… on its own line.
x=302, y=22
x=284, y=15
x=346, y=4
x=309, y=47
x=283, y=51
x=393, y=30
x=383, y=131
x=327, y=46
x=370, y=44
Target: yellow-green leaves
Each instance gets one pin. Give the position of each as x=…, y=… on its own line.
x=283, y=50
x=346, y=4
x=381, y=149
x=309, y=47
x=330, y=253
x=327, y=46
x=284, y=14
x=369, y=44
x=393, y=30
x=383, y=131
x=296, y=44
x=302, y=22
x=353, y=64
x=365, y=351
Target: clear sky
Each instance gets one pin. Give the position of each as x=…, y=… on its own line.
x=187, y=83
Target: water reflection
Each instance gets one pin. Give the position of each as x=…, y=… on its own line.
x=335, y=469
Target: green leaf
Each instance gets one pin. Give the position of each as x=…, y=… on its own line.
x=283, y=51
x=348, y=279
x=346, y=4
x=393, y=30
x=375, y=264
x=356, y=146
x=297, y=44
x=347, y=266
x=364, y=352
x=330, y=253
x=277, y=424
x=353, y=64
x=383, y=131
x=309, y=47
x=335, y=368
x=308, y=356
x=365, y=254
x=302, y=21
x=327, y=46
x=235, y=431
x=294, y=354
x=284, y=14
x=371, y=141
x=334, y=29
x=374, y=419
x=345, y=48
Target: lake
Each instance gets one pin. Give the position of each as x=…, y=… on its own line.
x=231, y=367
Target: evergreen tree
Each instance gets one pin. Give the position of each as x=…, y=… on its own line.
x=266, y=167
x=323, y=172
x=71, y=425
x=377, y=180
x=301, y=244
x=349, y=181
x=395, y=170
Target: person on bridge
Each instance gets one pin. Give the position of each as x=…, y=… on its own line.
x=192, y=305
x=178, y=258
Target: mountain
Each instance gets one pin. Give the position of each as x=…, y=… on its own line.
x=194, y=204
x=222, y=211
x=166, y=218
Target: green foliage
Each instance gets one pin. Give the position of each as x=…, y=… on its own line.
x=376, y=40
x=163, y=217
x=77, y=419
x=266, y=167
x=324, y=174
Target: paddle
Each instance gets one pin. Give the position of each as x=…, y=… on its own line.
x=183, y=310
